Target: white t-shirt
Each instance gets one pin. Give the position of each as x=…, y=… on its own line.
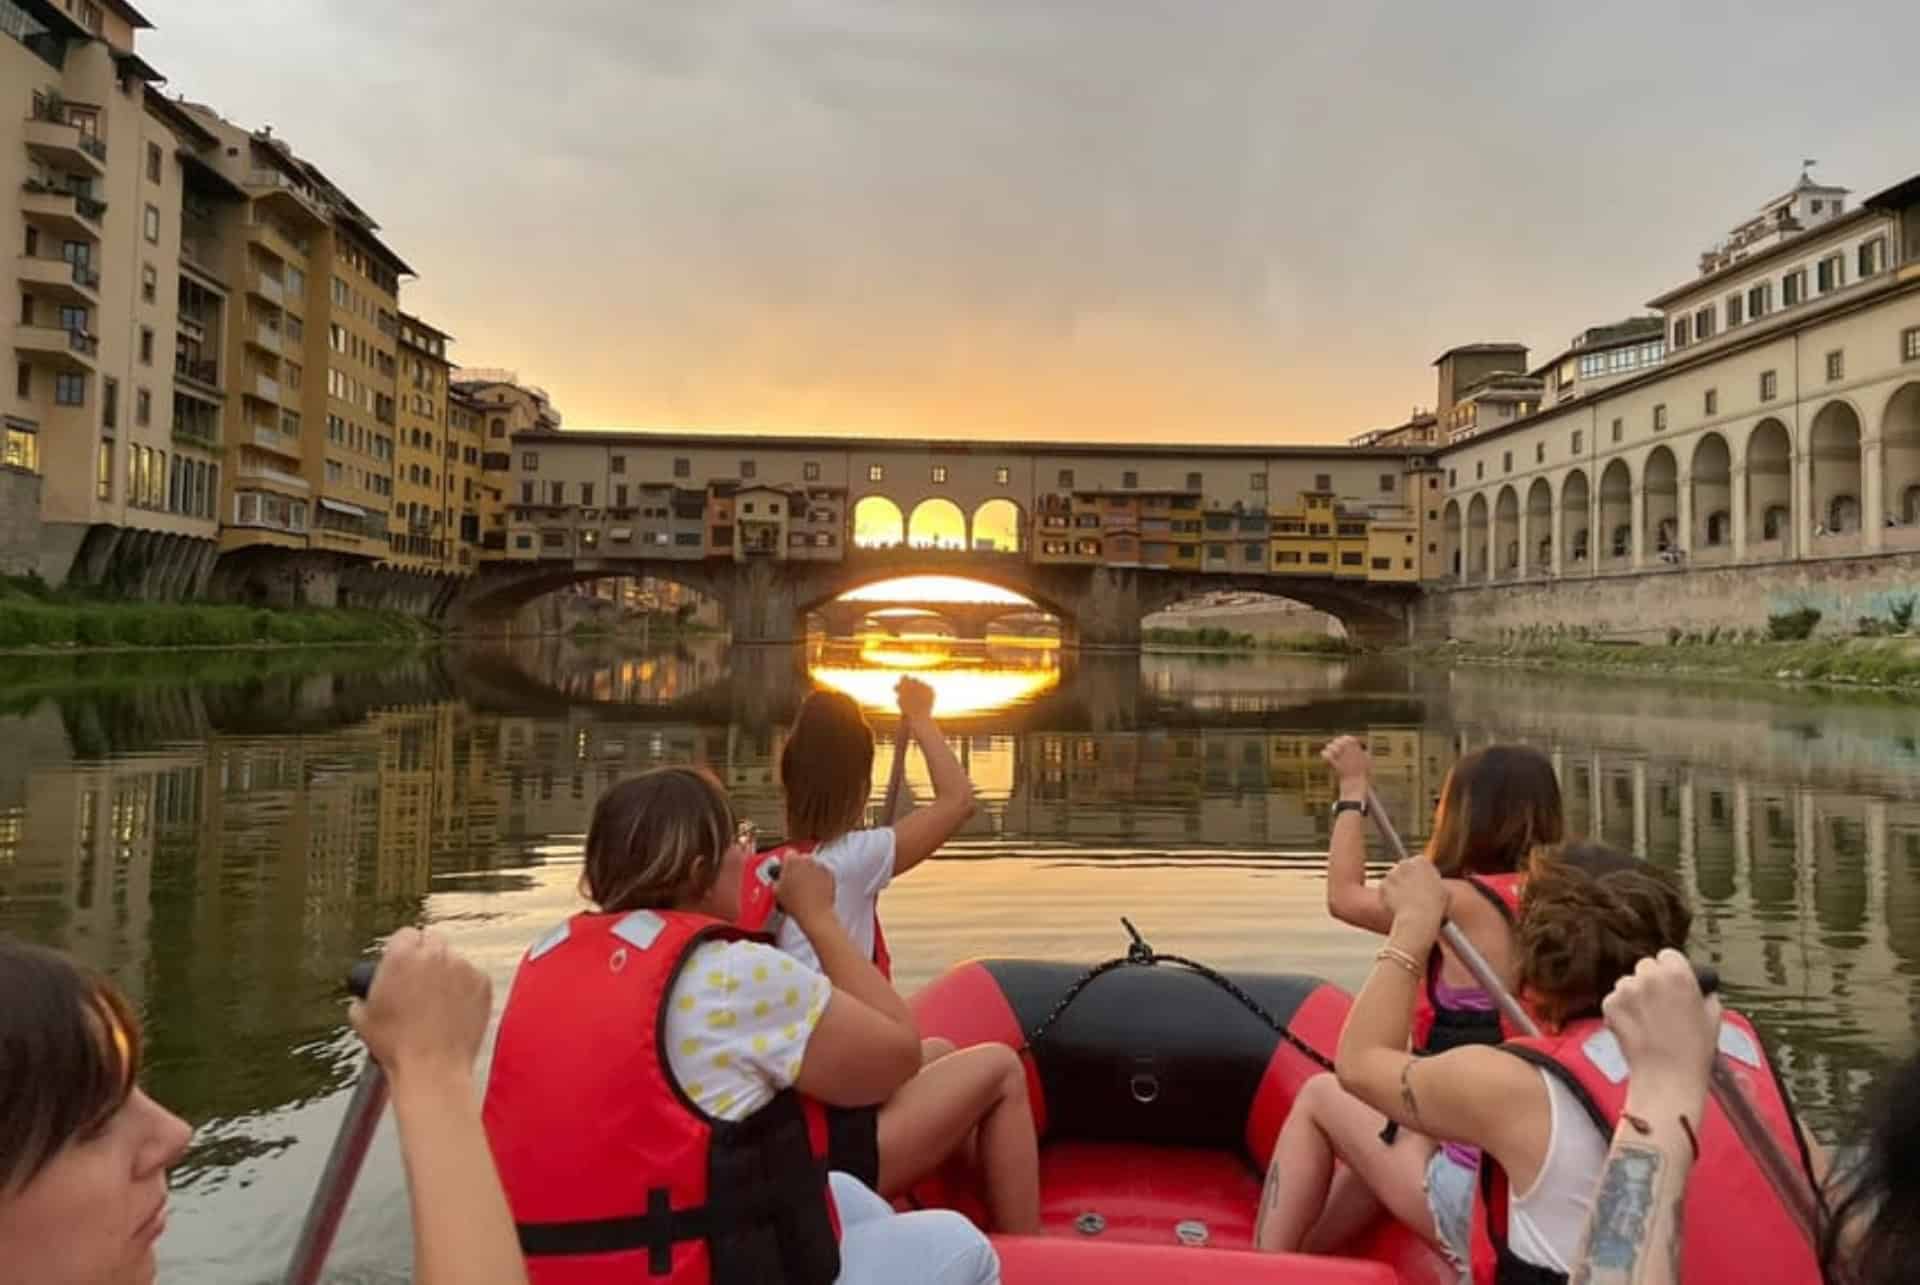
x=862, y=865
x=738, y=1022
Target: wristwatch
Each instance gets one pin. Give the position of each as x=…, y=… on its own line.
x=1350, y=805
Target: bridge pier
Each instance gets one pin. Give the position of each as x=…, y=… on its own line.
x=763, y=605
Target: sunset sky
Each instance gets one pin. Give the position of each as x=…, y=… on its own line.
x=1233, y=220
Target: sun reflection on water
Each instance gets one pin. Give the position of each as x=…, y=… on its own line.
x=967, y=679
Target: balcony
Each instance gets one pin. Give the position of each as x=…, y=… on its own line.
x=204, y=371
x=52, y=278
x=250, y=469
x=66, y=213
x=52, y=138
x=267, y=388
x=204, y=253
x=268, y=288
x=271, y=182
x=269, y=438
x=265, y=337
x=281, y=239
x=68, y=350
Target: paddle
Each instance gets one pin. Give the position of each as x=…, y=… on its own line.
x=896, y=779
x=343, y=1162
x=1781, y=1173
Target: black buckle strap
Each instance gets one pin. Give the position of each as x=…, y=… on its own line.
x=657, y=1231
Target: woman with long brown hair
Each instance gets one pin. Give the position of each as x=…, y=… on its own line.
x=826, y=771
x=1496, y=807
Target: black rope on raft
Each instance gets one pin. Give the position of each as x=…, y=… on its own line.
x=1143, y=955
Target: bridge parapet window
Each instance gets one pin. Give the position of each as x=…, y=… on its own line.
x=939, y=475
x=1002, y=476
x=1257, y=482
x=1066, y=479
x=876, y=472
x=1194, y=482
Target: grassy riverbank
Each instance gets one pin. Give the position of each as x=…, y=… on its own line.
x=1892, y=663
x=1214, y=639
x=31, y=617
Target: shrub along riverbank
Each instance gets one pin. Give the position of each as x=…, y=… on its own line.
x=33, y=617
x=1878, y=662
x=1218, y=639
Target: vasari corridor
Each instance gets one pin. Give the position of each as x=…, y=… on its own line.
x=954, y=644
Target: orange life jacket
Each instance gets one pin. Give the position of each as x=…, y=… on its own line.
x=610, y=1169
x=1436, y=1028
x=1733, y=1226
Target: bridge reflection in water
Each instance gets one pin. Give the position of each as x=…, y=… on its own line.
x=226, y=848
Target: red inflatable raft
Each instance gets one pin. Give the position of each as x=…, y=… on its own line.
x=1158, y=1090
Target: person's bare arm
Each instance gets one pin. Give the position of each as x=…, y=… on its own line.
x=1474, y=1095
x=920, y=833
x=865, y=1045
x=1667, y=1032
x=423, y=1022
x=1349, y=898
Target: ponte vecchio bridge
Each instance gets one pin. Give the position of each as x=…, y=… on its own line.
x=1098, y=535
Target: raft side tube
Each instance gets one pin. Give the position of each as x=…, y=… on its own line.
x=1027, y=1260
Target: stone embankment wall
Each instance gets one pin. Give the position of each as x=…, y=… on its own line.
x=1644, y=606
x=19, y=522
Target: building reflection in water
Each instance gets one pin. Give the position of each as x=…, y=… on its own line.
x=226, y=875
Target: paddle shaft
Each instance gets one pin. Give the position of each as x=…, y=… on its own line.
x=896, y=779
x=349, y=1152
x=1781, y=1173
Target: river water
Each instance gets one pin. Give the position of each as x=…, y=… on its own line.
x=226, y=838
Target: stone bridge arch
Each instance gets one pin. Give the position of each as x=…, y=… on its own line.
x=767, y=601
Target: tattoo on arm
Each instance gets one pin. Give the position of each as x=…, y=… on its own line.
x=1406, y=1093
x=1628, y=1211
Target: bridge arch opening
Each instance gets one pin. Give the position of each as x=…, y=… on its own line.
x=1769, y=488
x=937, y=524
x=1539, y=527
x=998, y=527
x=1506, y=534
x=1712, y=492
x=1616, y=512
x=878, y=523
x=1661, y=485
x=1900, y=456
x=1835, y=447
x=1479, y=531
x=1576, y=516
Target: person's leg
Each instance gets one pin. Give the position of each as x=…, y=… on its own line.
x=934, y=1247
x=1300, y=1173
x=933, y=1048
x=1327, y=1122
x=935, y=1111
x=854, y=1202
x=1351, y=1208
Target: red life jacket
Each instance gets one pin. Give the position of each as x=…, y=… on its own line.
x=610, y=1169
x=1733, y=1226
x=1436, y=1028
x=758, y=905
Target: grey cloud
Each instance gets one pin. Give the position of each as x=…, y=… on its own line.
x=1225, y=219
